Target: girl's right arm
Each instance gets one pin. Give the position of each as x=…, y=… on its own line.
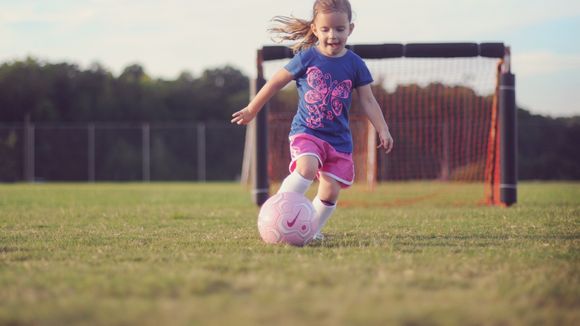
x=278, y=81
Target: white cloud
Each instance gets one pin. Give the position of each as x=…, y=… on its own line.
x=542, y=63
x=444, y=20
x=26, y=12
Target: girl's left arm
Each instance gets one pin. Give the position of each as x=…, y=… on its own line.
x=375, y=115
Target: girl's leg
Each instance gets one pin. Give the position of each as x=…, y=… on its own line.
x=302, y=176
x=325, y=201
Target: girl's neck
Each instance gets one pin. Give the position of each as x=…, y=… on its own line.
x=340, y=54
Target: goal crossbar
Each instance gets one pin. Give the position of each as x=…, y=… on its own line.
x=410, y=50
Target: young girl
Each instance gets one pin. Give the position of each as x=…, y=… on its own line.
x=326, y=74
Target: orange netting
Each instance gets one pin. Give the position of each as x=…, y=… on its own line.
x=442, y=114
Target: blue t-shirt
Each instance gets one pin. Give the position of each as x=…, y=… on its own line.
x=325, y=87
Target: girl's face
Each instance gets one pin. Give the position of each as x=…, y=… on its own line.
x=332, y=30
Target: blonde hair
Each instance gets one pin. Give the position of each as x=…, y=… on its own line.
x=296, y=29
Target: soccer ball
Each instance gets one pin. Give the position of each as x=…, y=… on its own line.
x=287, y=217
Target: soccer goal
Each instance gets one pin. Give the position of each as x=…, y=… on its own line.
x=450, y=107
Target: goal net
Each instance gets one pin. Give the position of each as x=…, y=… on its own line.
x=441, y=102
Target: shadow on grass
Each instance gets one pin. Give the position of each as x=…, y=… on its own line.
x=420, y=242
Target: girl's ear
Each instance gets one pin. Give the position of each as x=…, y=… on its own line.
x=313, y=29
x=351, y=28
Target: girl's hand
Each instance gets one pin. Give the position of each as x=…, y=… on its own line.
x=243, y=117
x=386, y=141
x=247, y=114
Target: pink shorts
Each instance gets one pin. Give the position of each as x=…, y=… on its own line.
x=336, y=165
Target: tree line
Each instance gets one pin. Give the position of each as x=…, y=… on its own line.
x=62, y=92
x=36, y=91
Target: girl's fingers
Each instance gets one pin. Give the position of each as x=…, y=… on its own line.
x=237, y=117
x=387, y=144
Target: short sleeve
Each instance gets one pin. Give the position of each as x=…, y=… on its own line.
x=363, y=75
x=296, y=66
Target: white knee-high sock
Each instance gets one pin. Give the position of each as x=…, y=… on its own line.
x=322, y=212
x=295, y=182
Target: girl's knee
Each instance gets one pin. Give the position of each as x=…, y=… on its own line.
x=307, y=166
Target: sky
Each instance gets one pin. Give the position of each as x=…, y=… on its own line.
x=168, y=37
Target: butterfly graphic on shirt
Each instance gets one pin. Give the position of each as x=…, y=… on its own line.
x=325, y=98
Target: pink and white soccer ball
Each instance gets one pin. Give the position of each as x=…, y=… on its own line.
x=287, y=217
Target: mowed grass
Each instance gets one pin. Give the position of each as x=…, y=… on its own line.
x=190, y=254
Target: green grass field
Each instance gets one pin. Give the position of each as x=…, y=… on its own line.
x=190, y=254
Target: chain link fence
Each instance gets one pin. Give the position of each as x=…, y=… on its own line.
x=187, y=151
